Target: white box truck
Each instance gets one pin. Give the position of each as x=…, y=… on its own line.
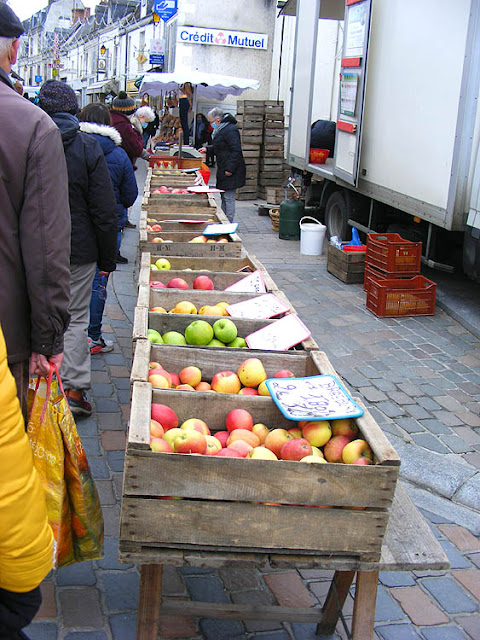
x=400, y=79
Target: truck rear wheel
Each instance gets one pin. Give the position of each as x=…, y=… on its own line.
x=336, y=216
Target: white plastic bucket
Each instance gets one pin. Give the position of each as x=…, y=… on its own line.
x=312, y=237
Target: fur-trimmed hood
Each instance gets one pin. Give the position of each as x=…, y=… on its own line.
x=102, y=130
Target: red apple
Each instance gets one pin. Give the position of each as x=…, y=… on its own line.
x=276, y=439
x=177, y=283
x=171, y=435
x=295, y=449
x=295, y=432
x=190, y=375
x=195, y=424
x=228, y=453
x=159, y=381
x=261, y=431
x=317, y=432
x=190, y=442
x=239, y=419
x=156, y=429
x=284, y=373
x=203, y=282
x=175, y=379
x=164, y=415
x=248, y=391
x=203, y=386
x=355, y=450
x=184, y=387
x=334, y=447
x=226, y=382
x=222, y=436
x=213, y=445
x=241, y=446
x=156, y=227
x=362, y=461
x=344, y=427
x=160, y=446
x=244, y=434
x=156, y=284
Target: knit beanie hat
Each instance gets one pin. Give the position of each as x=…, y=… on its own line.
x=123, y=104
x=56, y=97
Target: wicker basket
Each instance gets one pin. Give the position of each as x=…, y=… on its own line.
x=275, y=217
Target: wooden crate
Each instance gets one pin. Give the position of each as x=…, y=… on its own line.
x=221, y=279
x=274, y=195
x=301, y=363
x=348, y=266
x=167, y=298
x=164, y=322
x=245, y=263
x=182, y=247
x=153, y=217
x=202, y=203
x=223, y=506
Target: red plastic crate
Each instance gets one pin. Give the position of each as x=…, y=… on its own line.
x=391, y=253
x=398, y=297
x=383, y=275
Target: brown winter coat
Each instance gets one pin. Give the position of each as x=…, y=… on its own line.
x=34, y=229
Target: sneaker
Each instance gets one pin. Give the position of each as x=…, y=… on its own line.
x=130, y=225
x=121, y=259
x=78, y=402
x=100, y=346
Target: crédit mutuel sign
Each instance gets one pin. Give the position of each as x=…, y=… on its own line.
x=222, y=38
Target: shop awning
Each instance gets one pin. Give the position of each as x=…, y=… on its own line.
x=208, y=85
x=105, y=86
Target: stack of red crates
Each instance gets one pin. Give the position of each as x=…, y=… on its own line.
x=393, y=282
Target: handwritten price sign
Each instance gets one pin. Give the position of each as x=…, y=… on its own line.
x=252, y=283
x=280, y=335
x=261, y=307
x=220, y=229
x=313, y=398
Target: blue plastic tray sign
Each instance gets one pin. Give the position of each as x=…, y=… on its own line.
x=220, y=229
x=313, y=398
x=165, y=8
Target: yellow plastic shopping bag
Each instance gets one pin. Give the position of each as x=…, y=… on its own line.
x=73, y=505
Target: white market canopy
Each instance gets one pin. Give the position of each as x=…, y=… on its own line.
x=214, y=86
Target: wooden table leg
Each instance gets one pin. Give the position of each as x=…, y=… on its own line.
x=364, y=607
x=337, y=594
x=149, y=602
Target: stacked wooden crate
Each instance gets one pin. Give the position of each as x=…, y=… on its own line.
x=273, y=172
x=250, y=114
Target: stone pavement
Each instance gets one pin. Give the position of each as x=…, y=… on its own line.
x=420, y=379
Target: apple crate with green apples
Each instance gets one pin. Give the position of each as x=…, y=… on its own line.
x=189, y=243
x=233, y=371
x=223, y=271
x=249, y=505
x=166, y=329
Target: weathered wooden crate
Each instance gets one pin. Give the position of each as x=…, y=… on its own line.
x=174, y=359
x=171, y=217
x=246, y=505
x=221, y=279
x=234, y=268
x=163, y=322
x=181, y=245
x=181, y=203
x=348, y=266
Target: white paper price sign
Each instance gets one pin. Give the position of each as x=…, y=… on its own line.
x=313, y=398
x=261, y=307
x=204, y=189
x=220, y=229
x=253, y=283
x=279, y=335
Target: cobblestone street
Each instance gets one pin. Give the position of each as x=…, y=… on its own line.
x=419, y=377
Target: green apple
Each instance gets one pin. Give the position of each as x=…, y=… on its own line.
x=153, y=267
x=215, y=343
x=163, y=264
x=173, y=337
x=238, y=343
x=198, y=332
x=225, y=330
x=154, y=336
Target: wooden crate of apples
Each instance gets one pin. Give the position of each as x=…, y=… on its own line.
x=206, y=472
x=185, y=243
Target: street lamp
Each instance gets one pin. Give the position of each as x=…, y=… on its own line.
x=103, y=50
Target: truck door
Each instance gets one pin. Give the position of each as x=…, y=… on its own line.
x=352, y=90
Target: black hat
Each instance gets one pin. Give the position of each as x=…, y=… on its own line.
x=124, y=104
x=10, y=25
x=57, y=97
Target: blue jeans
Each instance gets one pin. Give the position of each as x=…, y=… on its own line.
x=228, y=203
x=97, y=305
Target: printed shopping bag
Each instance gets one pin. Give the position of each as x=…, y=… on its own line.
x=73, y=505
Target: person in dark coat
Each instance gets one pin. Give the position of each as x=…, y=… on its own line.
x=231, y=169
x=93, y=211
x=95, y=120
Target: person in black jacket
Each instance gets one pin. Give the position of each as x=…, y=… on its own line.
x=231, y=170
x=93, y=211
